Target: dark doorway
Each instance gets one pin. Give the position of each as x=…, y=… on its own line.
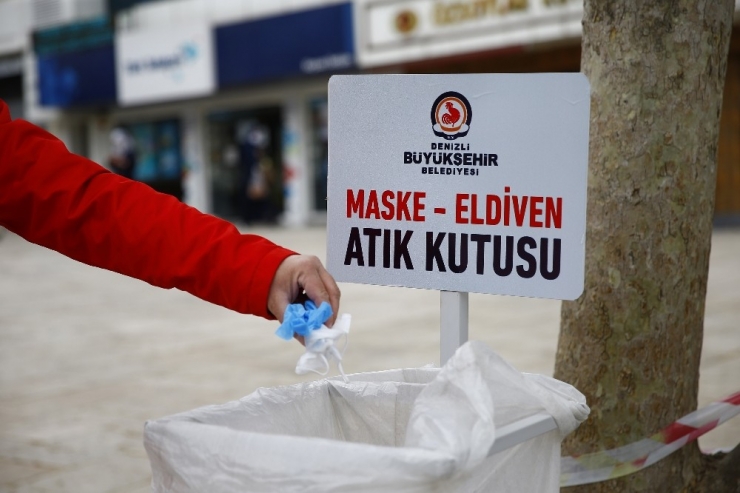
x=246, y=164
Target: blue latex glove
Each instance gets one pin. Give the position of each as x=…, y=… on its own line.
x=302, y=319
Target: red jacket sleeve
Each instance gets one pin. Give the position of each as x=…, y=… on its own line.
x=70, y=204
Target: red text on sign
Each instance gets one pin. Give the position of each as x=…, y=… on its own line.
x=509, y=210
x=387, y=204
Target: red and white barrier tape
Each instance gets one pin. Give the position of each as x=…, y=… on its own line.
x=610, y=464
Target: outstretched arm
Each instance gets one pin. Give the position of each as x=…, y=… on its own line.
x=70, y=204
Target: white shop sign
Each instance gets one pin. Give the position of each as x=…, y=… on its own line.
x=468, y=183
x=166, y=64
x=406, y=30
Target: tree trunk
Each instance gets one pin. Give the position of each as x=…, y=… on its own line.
x=632, y=342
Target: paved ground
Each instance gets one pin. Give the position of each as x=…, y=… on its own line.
x=86, y=356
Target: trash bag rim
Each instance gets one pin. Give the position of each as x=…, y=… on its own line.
x=153, y=427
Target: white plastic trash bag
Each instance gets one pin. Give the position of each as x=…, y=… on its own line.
x=420, y=430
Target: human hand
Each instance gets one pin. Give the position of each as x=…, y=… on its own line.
x=299, y=277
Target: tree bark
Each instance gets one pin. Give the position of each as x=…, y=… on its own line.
x=632, y=342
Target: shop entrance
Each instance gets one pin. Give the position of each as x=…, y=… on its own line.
x=246, y=164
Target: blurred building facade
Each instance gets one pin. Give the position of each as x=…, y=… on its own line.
x=224, y=102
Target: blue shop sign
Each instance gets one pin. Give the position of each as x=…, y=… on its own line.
x=308, y=42
x=77, y=78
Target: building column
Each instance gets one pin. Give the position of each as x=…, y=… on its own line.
x=195, y=183
x=98, y=136
x=296, y=169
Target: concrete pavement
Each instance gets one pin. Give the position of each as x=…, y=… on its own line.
x=86, y=356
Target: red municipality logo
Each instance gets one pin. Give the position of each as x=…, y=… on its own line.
x=451, y=114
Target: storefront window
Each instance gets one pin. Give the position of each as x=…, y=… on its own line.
x=154, y=154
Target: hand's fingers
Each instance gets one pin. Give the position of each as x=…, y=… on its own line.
x=334, y=294
x=314, y=287
x=320, y=287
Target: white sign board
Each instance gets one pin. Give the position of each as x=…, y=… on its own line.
x=165, y=64
x=473, y=183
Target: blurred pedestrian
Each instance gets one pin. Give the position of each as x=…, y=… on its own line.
x=70, y=204
x=122, y=159
x=256, y=175
x=258, y=189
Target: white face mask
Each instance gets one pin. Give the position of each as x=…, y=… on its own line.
x=321, y=347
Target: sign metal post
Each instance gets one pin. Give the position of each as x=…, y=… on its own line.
x=453, y=323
